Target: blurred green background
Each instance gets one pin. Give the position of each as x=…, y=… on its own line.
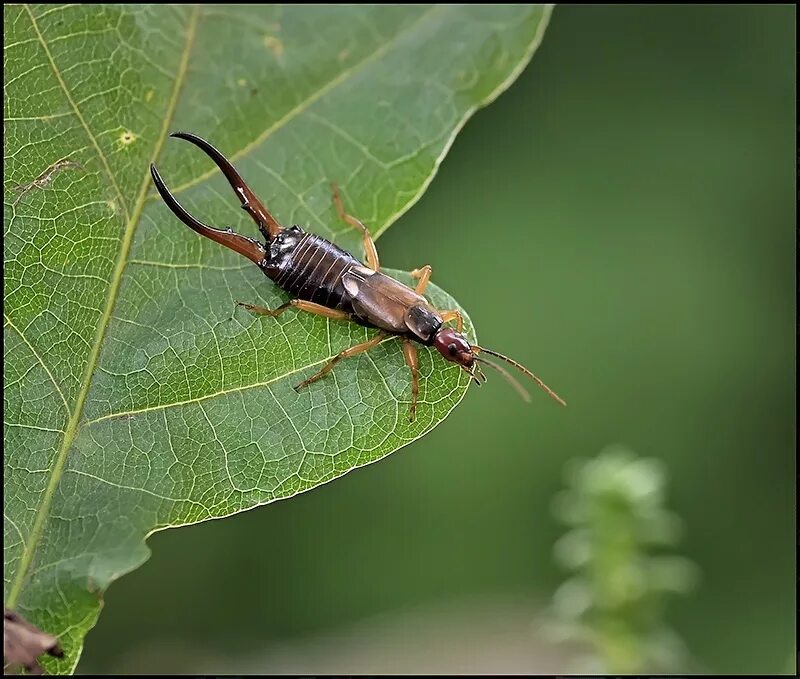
x=622, y=221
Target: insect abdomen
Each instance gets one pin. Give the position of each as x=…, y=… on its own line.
x=313, y=272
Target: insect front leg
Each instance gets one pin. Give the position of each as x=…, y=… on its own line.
x=453, y=315
x=423, y=274
x=370, y=252
x=412, y=361
x=317, y=309
x=352, y=351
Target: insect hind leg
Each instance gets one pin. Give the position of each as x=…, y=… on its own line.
x=352, y=351
x=412, y=361
x=312, y=308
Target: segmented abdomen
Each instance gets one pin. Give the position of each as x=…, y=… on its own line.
x=314, y=272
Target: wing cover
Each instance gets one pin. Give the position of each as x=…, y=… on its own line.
x=388, y=304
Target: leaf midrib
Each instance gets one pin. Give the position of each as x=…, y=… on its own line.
x=311, y=100
x=223, y=392
x=122, y=260
x=130, y=229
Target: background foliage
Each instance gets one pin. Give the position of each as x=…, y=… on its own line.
x=622, y=219
x=618, y=549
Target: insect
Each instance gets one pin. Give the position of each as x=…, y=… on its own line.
x=323, y=279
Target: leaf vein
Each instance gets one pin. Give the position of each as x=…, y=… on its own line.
x=72, y=426
x=205, y=397
x=304, y=105
x=40, y=360
x=75, y=108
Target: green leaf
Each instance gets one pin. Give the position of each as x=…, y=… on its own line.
x=136, y=397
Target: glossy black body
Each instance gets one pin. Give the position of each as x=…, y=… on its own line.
x=314, y=269
x=309, y=267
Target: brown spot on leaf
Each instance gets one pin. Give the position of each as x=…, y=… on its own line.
x=45, y=177
x=127, y=137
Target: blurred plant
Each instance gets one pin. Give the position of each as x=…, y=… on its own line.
x=616, y=546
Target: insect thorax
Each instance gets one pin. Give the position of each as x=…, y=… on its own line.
x=280, y=250
x=423, y=322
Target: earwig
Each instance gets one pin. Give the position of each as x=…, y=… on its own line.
x=325, y=280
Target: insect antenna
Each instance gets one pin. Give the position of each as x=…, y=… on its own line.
x=472, y=375
x=509, y=378
x=521, y=368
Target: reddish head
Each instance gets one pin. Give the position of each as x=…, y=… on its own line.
x=454, y=347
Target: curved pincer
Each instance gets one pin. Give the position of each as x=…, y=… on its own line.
x=248, y=247
x=266, y=223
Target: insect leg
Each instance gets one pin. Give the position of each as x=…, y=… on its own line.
x=370, y=252
x=412, y=361
x=300, y=304
x=424, y=275
x=352, y=351
x=453, y=315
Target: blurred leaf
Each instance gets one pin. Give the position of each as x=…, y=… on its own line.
x=136, y=399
